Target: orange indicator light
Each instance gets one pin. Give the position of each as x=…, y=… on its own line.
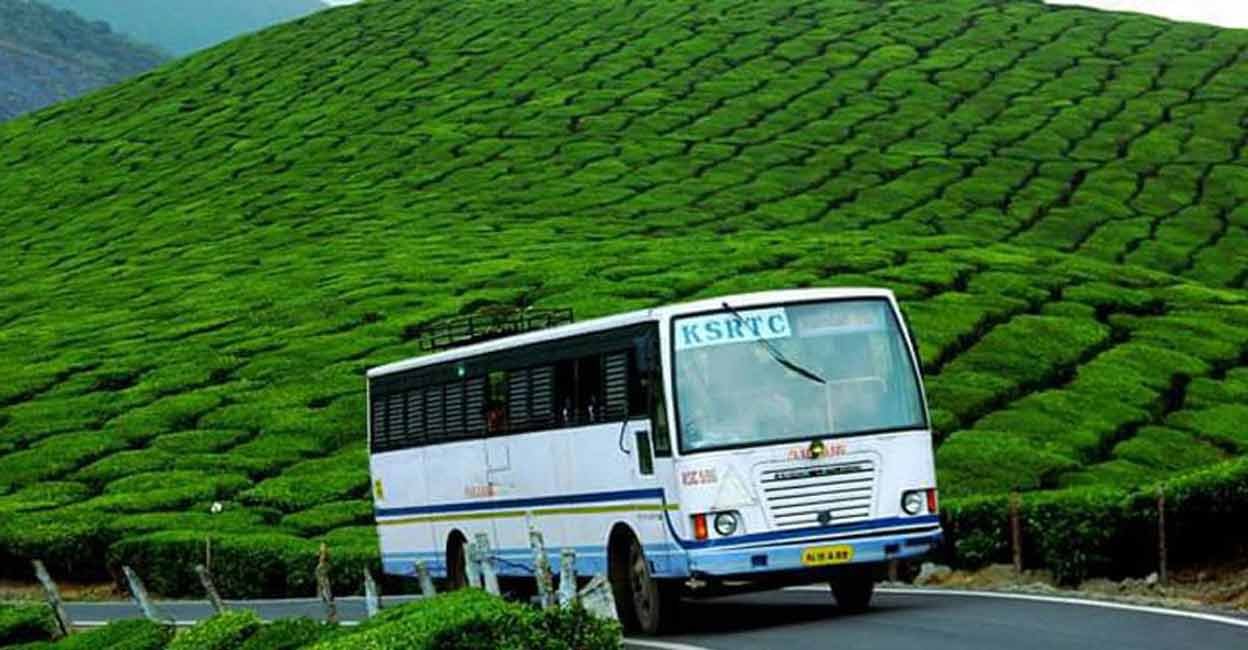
x=699, y=527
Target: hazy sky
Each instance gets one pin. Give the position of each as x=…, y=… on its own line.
x=1227, y=13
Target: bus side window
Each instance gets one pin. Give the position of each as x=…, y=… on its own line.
x=589, y=389
x=496, y=403
x=579, y=391
x=565, y=393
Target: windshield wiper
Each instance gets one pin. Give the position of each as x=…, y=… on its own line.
x=776, y=354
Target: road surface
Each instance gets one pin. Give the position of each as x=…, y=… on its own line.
x=903, y=619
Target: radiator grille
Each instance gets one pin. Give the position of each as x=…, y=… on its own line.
x=800, y=496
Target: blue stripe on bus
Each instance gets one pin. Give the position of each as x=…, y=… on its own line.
x=657, y=493
x=504, y=504
x=822, y=531
x=666, y=561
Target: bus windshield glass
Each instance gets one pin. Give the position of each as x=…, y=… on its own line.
x=754, y=376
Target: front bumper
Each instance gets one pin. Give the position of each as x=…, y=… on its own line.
x=786, y=555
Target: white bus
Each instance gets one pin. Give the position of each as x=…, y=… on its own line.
x=744, y=442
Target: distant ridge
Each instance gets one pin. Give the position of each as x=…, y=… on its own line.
x=184, y=26
x=48, y=55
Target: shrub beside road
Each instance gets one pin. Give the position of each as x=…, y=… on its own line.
x=465, y=620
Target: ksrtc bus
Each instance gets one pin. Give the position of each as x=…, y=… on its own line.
x=743, y=442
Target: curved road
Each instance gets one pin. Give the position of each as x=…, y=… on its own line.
x=933, y=620
x=797, y=619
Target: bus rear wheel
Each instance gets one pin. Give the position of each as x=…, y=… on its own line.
x=644, y=603
x=456, y=578
x=853, y=589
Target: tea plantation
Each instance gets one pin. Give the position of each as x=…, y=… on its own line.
x=200, y=263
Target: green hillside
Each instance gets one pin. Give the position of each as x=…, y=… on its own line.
x=48, y=55
x=199, y=264
x=184, y=26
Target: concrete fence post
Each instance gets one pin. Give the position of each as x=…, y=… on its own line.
x=324, y=588
x=210, y=588
x=471, y=567
x=426, y=582
x=53, y=595
x=598, y=599
x=567, y=577
x=139, y=593
x=485, y=560
x=1016, y=531
x=372, y=596
x=1162, y=568
x=541, y=569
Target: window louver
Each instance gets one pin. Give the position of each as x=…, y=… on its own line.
x=435, y=424
x=474, y=407
x=615, y=385
x=519, y=414
x=542, y=397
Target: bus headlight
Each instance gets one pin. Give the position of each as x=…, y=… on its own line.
x=726, y=523
x=912, y=502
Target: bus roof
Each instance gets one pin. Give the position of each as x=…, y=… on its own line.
x=626, y=319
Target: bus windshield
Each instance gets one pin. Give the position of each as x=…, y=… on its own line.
x=804, y=371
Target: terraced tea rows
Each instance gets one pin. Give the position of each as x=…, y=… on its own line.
x=201, y=263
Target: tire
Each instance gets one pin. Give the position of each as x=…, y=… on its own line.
x=645, y=604
x=853, y=590
x=455, y=577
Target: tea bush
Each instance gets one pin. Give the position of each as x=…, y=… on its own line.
x=42, y=496
x=198, y=441
x=327, y=516
x=290, y=634
x=54, y=457
x=313, y=482
x=232, y=519
x=471, y=619
x=245, y=564
x=25, y=624
x=225, y=631
x=134, y=634
x=1103, y=530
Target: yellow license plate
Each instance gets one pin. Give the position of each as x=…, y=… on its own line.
x=825, y=555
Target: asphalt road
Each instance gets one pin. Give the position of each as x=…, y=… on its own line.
x=797, y=620
x=800, y=619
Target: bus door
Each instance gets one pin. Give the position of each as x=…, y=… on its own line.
x=521, y=450
x=652, y=463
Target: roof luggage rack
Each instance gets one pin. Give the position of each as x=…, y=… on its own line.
x=488, y=325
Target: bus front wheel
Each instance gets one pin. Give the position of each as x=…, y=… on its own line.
x=853, y=589
x=644, y=603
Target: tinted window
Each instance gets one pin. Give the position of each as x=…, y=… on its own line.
x=498, y=397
